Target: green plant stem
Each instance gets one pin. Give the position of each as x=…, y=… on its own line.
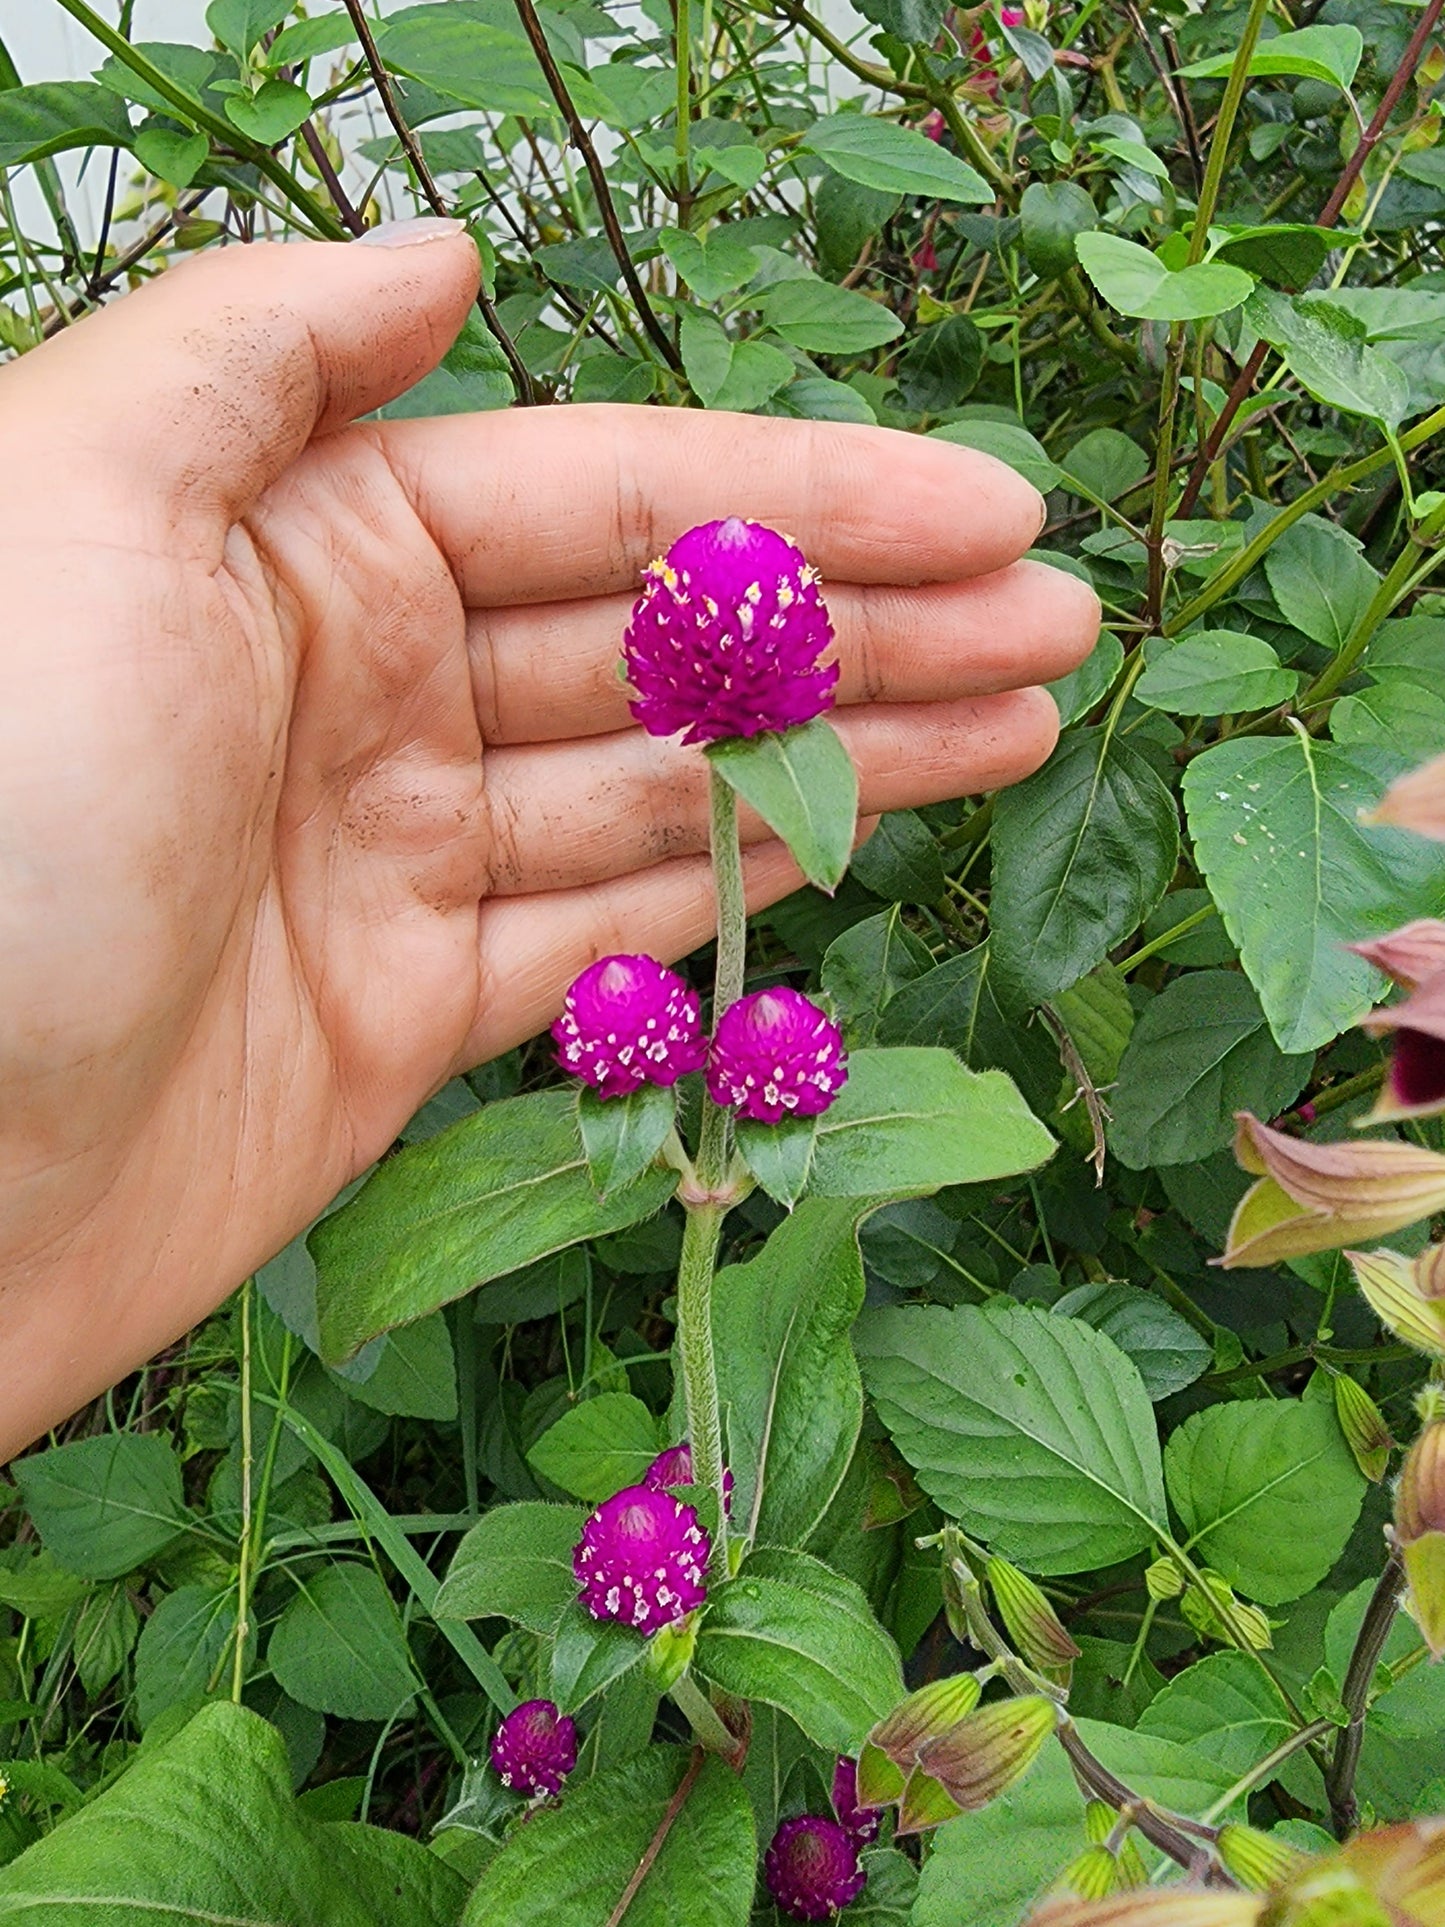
x=1224, y=130
x=1394, y=585
x=1250, y=556
x=1166, y=937
x=700, y=1239
x=320, y=216
x=682, y=54
x=1163, y=458
x=1263, y=1769
x=1355, y=1693
x=243, y=1572
x=703, y=1717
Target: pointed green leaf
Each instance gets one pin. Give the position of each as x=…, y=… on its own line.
x=622, y=1135
x=339, y=1646
x=1135, y=282
x=515, y=1563
x=1328, y=53
x=879, y=153
x=1214, y=672
x=598, y=1446
x=803, y=785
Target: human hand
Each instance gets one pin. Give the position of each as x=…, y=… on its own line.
x=317, y=783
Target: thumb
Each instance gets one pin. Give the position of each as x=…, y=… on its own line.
x=201, y=387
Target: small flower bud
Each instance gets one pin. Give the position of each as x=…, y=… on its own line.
x=627, y=1022
x=1400, y=1293
x=1163, y=1580
x=879, y=1780
x=1420, y=1533
x=1032, y=1624
x=641, y=1559
x=726, y=635
x=670, y=1652
x=812, y=1868
x=860, y=1819
x=1257, y=1860
x=1364, y=1427
x=775, y=1054
x=674, y=1467
x=925, y=1715
x=535, y=1748
x=1092, y=1875
x=1319, y=1197
x=1410, y=954
x=1202, y=1604
x=985, y=1753
x=1099, y=1821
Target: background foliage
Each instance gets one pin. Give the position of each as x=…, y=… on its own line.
x=1203, y=315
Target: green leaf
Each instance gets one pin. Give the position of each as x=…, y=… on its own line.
x=723, y=373
x=1007, y=442
x=1083, y=850
x=172, y=157
x=473, y=61
x=239, y=24
x=818, y=398
x=106, y=1505
x=1409, y=650
x=1268, y=1492
x=1108, y=464
x=188, y=69
x=1326, y=348
x=1200, y=1051
x=1034, y=1430
x=410, y=1373
x=1054, y=215
x=940, y=365
x=306, y=39
x=712, y=266
x=892, y=1886
x=803, y=785
x=1399, y=717
x=900, y=860
x=274, y=111
x=56, y=115
x=339, y=1646
x=598, y=1446
x=622, y=1135
x=181, y=1649
x=491, y=1194
x=576, y=1858
x=1099, y=1017
x=1331, y=54
x=1225, y=1708
x=1085, y=687
x=1287, y=254
x=954, y=1005
x=474, y=375
x=780, y=1156
x=617, y=378
x=794, y=1634
x=1214, y=672
x=879, y=153
x=1135, y=282
x=787, y=1379
x=911, y=1121
x=915, y=22
x=515, y=1563
x=823, y=319
x=204, y=1830
x=1165, y=1347
x=589, y=1654
x=864, y=967
x=1320, y=581
x=1297, y=876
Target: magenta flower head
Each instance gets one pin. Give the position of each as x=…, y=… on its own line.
x=776, y=1055
x=627, y=1022
x=535, y=1748
x=725, y=638
x=812, y=1868
x=674, y=1467
x=862, y=1822
x=641, y=1559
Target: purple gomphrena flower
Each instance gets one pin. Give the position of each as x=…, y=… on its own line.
x=812, y=1868
x=535, y=1748
x=628, y=1021
x=725, y=638
x=862, y=1822
x=776, y=1055
x=641, y=1559
x=674, y=1467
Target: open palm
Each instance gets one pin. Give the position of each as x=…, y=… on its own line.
x=317, y=782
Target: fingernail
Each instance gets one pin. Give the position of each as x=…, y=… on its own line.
x=410, y=234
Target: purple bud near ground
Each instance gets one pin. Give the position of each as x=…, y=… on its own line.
x=642, y=1559
x=628, y=1021
x=535, y=1748
x=725, y=637
x=776, y=1055
x=674, y=1467
x=812, y=1868
x=862, y=1822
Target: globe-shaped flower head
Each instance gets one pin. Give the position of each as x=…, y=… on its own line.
x=776, y=1055
x=812, y=1868
x=642, y=1559
x=535, y=1748
x=725, y=637
x=628, y=1021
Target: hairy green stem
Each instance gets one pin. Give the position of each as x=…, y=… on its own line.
x=696, y=1267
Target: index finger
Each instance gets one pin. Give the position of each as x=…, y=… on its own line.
x=545, y=503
